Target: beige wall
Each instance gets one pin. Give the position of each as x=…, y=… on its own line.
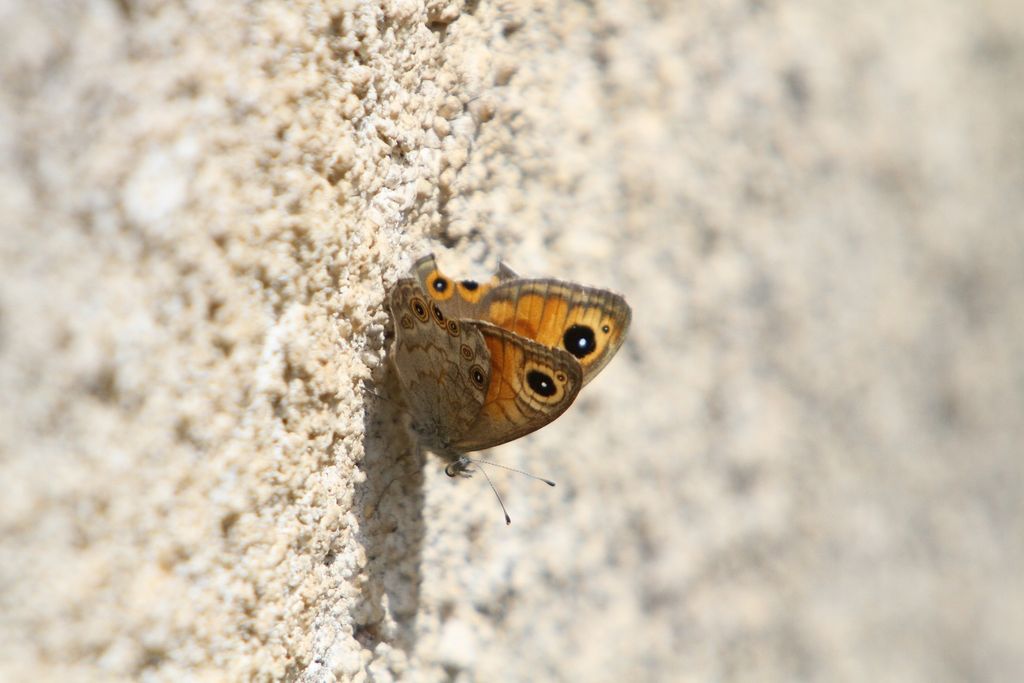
x=803, y=465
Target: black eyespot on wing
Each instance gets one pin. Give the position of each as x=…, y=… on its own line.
x=476, y=373
x=541, y=383
x=440, y=285
x=471, y=285
x=579, y=341
x=438, y=315
x=606, y=329
x=453, y=328
x=419, y=308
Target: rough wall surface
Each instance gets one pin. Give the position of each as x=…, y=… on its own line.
x=805, y=464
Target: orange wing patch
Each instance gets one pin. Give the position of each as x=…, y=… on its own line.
x=580, y=321
x=530, y=385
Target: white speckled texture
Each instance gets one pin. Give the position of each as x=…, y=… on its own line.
x=805, y=464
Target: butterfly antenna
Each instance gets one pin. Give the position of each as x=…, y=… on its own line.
x=461, y=468
x=508, y=520
x=513, y=469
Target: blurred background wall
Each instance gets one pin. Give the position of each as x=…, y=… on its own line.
x=805, y=464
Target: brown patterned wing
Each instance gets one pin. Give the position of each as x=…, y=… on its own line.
x=530, y=386
x=460, y=298
x=586, y=322
x=443, y=366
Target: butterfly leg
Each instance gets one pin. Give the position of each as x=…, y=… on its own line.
x=460, y=467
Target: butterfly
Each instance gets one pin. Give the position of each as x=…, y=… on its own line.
x=481, y=364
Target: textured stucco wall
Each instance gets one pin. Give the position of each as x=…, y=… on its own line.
x=805, y=464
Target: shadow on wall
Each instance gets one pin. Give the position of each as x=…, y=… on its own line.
x=389, y=510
